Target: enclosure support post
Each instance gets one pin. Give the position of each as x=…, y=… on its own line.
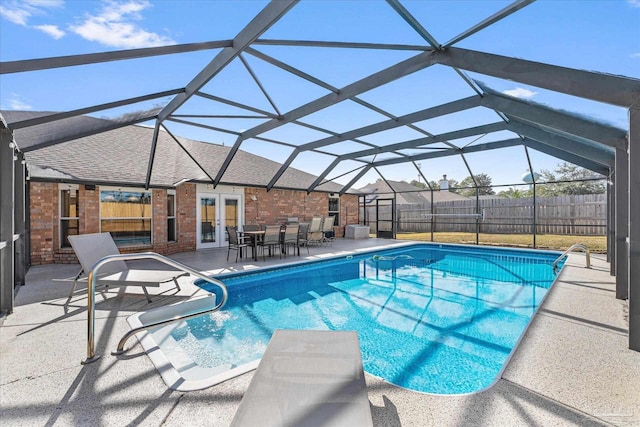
x=20, y=220
x=634, y=228
x=612, y=219
x=7, y=221
x=620, y=256
x=477, y=213
x=535, y=209
x=433, y=211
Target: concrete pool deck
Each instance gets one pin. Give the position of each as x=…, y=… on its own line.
x=573, y=366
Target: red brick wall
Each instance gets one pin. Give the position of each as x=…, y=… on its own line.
x=273, y=207
x=159, y=221
x=43, y=221
x=89, y=210
x=186, y=219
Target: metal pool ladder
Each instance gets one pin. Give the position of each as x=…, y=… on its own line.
x=91, y=297
x=571, y=249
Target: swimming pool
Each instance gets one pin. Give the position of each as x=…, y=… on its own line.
x=439, y=319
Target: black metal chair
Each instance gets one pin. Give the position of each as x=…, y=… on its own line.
x=235, y=243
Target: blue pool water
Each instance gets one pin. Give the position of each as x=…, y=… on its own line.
x=431, y=318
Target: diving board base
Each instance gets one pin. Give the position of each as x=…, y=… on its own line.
x=307, y=379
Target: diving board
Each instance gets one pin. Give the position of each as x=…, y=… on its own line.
x=307, y=379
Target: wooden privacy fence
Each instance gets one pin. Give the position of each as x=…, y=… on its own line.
x=572, y=214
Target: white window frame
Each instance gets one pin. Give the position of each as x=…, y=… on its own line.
x=173, y=217
x=335, y=213
x=61, y=188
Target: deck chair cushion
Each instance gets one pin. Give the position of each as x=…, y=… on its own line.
x=90, y=248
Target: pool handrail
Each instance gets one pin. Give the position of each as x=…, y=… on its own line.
x=91, y=291
x=571, y=248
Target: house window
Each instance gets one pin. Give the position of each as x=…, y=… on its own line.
x=126, y=214
x=69, y=220
x=171, y=215
x=334, y=207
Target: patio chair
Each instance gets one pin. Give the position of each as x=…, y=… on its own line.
x=315, y=231
x=303, y=233
x=271, y=239
x=90, y=248
x=327, y=229
x=235, y=243
x=251, y=227
x=290, y=239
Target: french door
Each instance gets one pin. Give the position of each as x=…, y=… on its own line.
x=214, y=212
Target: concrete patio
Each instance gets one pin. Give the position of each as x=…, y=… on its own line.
x=573, y=366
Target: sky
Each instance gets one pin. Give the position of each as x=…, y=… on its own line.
x=602, y=36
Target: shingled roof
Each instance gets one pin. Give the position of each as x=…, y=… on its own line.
x=120, y=156
x=407, y=193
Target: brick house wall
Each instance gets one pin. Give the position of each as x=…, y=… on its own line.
x=43, y=218
x=273, y=207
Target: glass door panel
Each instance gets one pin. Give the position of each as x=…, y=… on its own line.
x=231, y=213
x=208, y=221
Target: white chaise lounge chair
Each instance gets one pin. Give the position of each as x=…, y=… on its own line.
x=90, y=248
x=307, y=379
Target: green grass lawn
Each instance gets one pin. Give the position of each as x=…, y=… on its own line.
x=543, y=241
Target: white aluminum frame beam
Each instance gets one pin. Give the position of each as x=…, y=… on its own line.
x=355, y=179
x=109, y=126
x=494, y=145
x=567, y=123
x=268, y=16
x=615, y=90
x=604, y=157
x=414, y=23
x=88, y=110
x=428, y=113
x=567, y=157
x=494, y=127
x=401, y=69
x=22, y=66
x=420, y=142
x=341, y=45
x=512, y=8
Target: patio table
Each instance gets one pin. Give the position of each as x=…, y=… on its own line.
x=254, y=240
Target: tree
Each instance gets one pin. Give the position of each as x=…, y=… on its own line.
x=453, y=185
x=514, y=193
x=418, y=184
x=575, y=175
x=484, y=186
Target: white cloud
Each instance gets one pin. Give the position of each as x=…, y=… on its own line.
x=634, y=3
x=19, y=12
x=51, y=30
x=114, y=27
x=15, y=15
x=16, y=103
x=520, y=92
x=635, y=55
